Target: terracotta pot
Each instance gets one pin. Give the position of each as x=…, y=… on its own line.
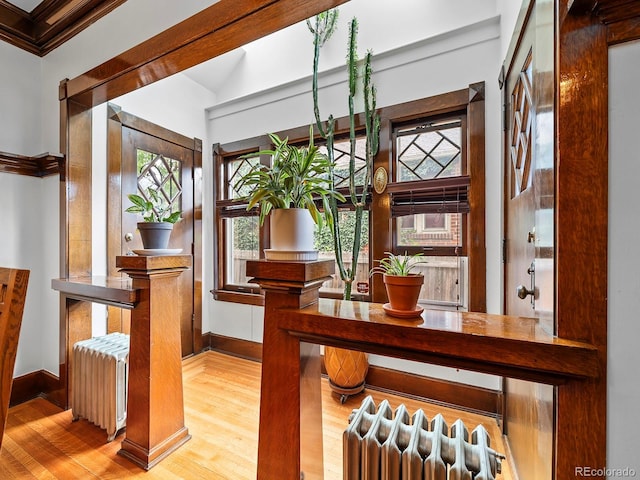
x=403, y=291
x=347, y=370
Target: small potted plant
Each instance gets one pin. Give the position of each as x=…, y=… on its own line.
x=402, y=285
x=158, y=219
x=288, y=191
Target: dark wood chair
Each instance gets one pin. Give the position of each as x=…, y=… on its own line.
x=13, y=290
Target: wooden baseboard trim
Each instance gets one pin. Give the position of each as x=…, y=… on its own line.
x=33, y=385
x=450, y=394
x=233, y=346
x=444, y=392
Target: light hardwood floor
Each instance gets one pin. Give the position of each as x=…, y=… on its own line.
x=221, y=411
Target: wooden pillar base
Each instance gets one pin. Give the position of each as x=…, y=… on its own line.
x=155, y=407
x=148, y=458
x=290, y=437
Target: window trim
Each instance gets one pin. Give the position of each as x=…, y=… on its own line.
x=469, y=101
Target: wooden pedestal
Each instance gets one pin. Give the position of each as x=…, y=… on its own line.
x=290, y=438
x=155, y=408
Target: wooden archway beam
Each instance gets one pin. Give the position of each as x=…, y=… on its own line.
x=218, y=29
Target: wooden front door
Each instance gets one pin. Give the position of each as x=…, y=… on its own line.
x=529, y=278
x=143, y=155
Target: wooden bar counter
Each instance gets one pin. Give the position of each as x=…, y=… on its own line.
x=155, y=407
x=290, y=437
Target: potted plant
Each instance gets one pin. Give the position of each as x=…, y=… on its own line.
x=158, y=219
x=402, y=285
x=289, y=192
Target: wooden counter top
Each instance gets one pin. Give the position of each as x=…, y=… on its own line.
x=503, y=345
x=116, y=291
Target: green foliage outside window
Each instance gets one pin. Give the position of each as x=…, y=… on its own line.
x=245, y=233
x=324, y=237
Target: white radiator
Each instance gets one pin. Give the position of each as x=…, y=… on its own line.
x=100, y=373
x=379, y=445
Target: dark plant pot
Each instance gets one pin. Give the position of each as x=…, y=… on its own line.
x=403, y=291
x=155, y=235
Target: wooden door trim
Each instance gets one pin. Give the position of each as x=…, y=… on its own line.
x=581, y=159
x=114, y=112
x=116, y=120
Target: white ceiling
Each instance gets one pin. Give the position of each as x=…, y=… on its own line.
x=26, y=5
x=215, y=72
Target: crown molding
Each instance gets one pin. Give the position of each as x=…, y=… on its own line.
x=42, y=165
x=51, y=23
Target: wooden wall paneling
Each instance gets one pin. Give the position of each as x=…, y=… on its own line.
x=623, y=31
x=581, y=229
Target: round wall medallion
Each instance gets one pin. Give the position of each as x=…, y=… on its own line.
x=380, y=179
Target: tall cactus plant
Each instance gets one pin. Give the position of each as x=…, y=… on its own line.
x=322, y=28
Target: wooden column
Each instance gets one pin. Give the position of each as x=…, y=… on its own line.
x=155, y=407
x=581, y=229
x=290, y=436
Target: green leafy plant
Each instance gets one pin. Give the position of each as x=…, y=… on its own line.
x=297, y=178
x=153, y=209
x=398, y=265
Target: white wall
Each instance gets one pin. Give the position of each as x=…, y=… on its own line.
x=623, y=355
x=509, y=10
x=21, y=198
x=19, y=101
x=436, y=62
x=384, y=26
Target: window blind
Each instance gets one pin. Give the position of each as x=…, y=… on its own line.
x=440, y=195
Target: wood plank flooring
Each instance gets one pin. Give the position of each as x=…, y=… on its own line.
x=221, y=411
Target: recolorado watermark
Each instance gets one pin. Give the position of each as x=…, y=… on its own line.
x=605, y=472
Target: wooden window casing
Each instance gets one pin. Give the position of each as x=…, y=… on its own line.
x=467, y=105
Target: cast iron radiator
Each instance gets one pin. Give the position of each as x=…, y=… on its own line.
x=100, y=372
x=381, y=445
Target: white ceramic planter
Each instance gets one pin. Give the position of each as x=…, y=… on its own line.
x=291, y=235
